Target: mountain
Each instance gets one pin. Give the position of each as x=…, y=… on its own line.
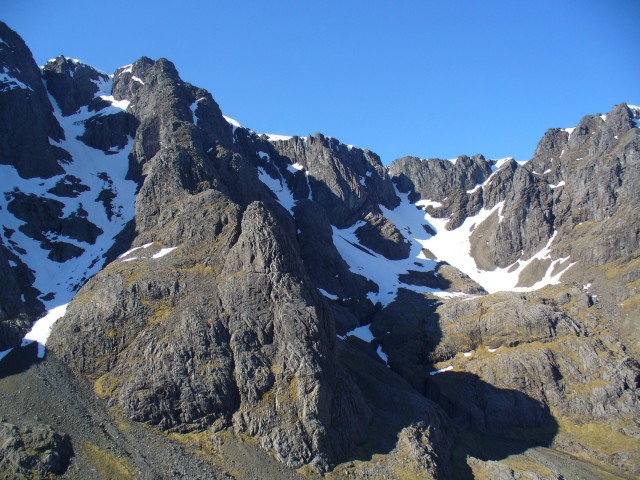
x=254, y=297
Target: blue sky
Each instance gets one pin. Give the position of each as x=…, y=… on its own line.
x=424, y=78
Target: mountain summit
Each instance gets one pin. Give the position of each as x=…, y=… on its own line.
x=278, y=307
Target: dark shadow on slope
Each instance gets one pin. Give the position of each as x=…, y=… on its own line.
x=19, y=360
x=394, y=403
x=492, y=423
x=506, y=422
x=487, y=422
x=429, y=279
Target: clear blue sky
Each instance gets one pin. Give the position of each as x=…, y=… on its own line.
x=421, y=77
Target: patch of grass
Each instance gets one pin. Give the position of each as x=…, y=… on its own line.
x=621, y=267
x=293, y=388
x=599, y=437
x=105, y=386
x=357, y=469
x=121, y=421
x=403, y=471
x=632, y=303
x=107, y=464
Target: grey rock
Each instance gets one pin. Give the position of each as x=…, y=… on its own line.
x=382, y=236
x=109, y=133
x=346, y=181
x=45, y=215
x=68, y=186
x=435, y=179
x=72, y=84
x=26, y=115
x=33, y=452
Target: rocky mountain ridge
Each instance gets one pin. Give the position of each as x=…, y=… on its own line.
x=223, y=281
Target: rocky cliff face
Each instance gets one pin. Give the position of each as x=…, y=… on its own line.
x=300, y=295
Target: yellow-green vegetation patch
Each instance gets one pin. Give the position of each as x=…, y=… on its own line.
x=206, y=444
x=599, y=437
x=524, y=463
x=105, y=386
x=405, y=471
x=132, y=272
x=632, y=303
x=620, y=267
x=107, y=464
x=582, y=389
x=202, y=270
x=121, y=421
x=159, y=310
x=356, y=468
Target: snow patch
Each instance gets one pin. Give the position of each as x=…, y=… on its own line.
x=4, y=353
x=295, y=167
x=382, y=355
x=569, y=130
x=384, y=272
x=635, y=110
x=163, y=252
x=97, y=171
x=327, y=294
x=279, y=188
x=11, y=82
x=128, y=252
x=454, y=247
x=119, y=104
x=193, y=108
x=137, y=79
x=494, y=168
x=468, y=354
x=442, y=370
x=427, y=203
x=233, y=122
x=277, y=138
x=363, y=333
x=559, y=184
x=42, y=328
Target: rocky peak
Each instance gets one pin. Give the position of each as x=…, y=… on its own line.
x=164, y=106
x=26, y=115
x=72, y=83
x=435, y=179
x=347, y=181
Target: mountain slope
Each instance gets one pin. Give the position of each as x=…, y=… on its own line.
x=297, y=294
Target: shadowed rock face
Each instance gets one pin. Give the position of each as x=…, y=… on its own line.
x=230, y=314
x=26, y=115
x=72, y=84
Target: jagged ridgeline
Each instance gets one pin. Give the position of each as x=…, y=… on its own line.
x=430, y=319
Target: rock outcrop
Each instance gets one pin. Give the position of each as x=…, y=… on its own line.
x=26, y=115
x=33, y=452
